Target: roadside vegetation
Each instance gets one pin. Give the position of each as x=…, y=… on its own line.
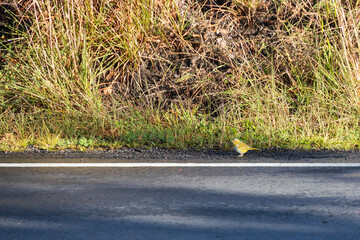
x=179, y=74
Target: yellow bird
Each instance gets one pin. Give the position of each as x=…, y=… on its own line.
x=241, y=147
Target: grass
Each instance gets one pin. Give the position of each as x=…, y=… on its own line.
x=112, y=74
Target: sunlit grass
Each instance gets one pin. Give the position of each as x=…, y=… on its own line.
x=179, y=75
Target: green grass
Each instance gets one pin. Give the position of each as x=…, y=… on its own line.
x=161, y=73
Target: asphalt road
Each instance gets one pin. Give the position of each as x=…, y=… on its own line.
x=179, y=203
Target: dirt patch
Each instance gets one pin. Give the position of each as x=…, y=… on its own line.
x=172, y=155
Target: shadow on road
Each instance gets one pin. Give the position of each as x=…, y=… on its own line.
x=117, y=210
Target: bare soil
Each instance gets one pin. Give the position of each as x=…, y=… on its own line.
x=175, y=155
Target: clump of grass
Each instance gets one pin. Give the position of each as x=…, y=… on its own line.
x=181, y=74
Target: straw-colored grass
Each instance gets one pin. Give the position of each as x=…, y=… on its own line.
x=179, y=73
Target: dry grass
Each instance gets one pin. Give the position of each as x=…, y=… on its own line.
x=274, y=73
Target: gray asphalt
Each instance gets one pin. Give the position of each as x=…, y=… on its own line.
x=179, y=203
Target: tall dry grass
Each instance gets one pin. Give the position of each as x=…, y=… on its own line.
x=180, y=73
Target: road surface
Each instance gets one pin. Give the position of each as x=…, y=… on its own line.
x=180, y=202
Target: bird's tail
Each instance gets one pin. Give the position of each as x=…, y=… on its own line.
x=254, y=149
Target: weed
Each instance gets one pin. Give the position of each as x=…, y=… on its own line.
x=178, y=74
